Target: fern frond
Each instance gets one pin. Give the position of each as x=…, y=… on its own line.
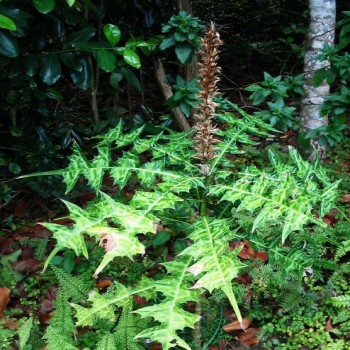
x=24, y=332
x=107, y=343
x=72, y=287
x=59, y=333
x=343, y=249
x=128, y=327
x=342, y=301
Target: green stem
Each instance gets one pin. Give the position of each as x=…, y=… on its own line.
x=344, y=215
x=203, y=199
x=206, y=345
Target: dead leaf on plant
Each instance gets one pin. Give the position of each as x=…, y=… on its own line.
x=4, y=299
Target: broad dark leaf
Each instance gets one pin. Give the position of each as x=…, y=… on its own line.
x=71, y=60
x=82, y=79
x=8, y=45
x=50, y=69
x=106, y=60
x=44, y=6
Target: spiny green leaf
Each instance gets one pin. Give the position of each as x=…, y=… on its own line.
x=284, y=197
x=169, y=312
x=216, y=264
x=103, y=306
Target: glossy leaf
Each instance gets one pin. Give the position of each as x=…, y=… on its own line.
x=112, y=33
x=70, y=2
x=106, y=60
x=30, y=66
x=80, y=36
x=7, y=23
x=50, y=69
x=8, y=45
x=131, y=78
x=44, y=6
x=82, y=78
x=131, y=58
x=71, y=60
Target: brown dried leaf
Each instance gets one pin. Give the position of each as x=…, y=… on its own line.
x=329, y=325
x=237, y=326
x=103, y=283
x=10, y=323
x=248, y=337
x=156, y=346
x=4, y=299
x=140, y=300
x=29, y=265
x=345, y=198
x=247, y=252
x=245, y=278
x=262, y=255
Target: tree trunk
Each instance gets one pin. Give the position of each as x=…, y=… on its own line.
x=321, y=32
x=185, y=5
x=167, y=93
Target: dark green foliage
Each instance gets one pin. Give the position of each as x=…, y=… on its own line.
x=59, y=333
x=183, y=32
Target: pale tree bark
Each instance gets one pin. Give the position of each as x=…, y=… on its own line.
x=321, y=32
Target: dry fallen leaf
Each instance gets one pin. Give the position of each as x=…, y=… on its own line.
x=329, y=326
x=237, y=326
x=30, y=265
x=261, y=255
x=10, y=323
x=103, y=283
x=138, y=300
x=248, y=337
x=4, y=299
x=345, y=198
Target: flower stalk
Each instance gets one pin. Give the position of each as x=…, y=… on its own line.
x=209, y=70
